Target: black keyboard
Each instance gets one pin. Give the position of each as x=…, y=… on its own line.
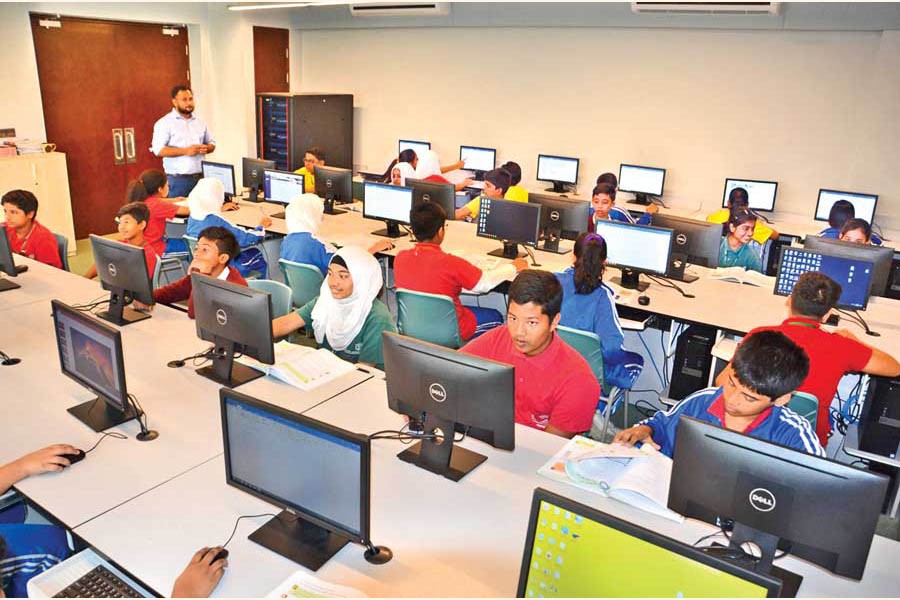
x=99, y=582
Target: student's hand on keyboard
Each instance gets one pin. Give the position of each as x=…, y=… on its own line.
x=201, y=576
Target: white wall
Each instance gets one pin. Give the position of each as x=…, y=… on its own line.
x=809, y=109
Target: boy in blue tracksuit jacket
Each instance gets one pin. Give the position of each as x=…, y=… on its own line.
x=603, y=207
x=766, y=368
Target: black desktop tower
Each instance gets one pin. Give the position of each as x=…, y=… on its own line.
x=693, y=361
x=879, y=424
x=288, y=124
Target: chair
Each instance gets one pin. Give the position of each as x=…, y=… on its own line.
x=428, y=317
x=192, y=245
x=304, y=280
x=157, y=271
x=62, y=244
x=174, y=261
x=806, y=405
x=280, y=293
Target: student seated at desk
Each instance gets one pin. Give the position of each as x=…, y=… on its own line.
x=152, y=188
x=857, y=231
x=314, y=157
x=216, y=248
x=603, y=208
x=556, y=391
x=515, y=191
x=496, y=184
x=739, y=199
x=409, y=157
x=347, y=317
x=132, y=220
x=428, y=168
x=303, y=216
x=29, y=549
x=766, y=368
x=735, y=250
x=427, y=268
x=26, y=236
x=589, y=304
x=401, y=172
x=609, y=178
x=841, y=212
x=206, y=201
x=831, y=355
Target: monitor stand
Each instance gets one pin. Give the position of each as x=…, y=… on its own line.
x=642, y=199
x=299, y=540
x=551, y=241
x=100, y=416
x=118, y=313
x=442, y=456
x=677, y=268
x=510, y=250
x=224, y=370
x=330, y=209
x=6, y=285
x=254, y=194
x=559, y=187
x=630, y=280
x=391, y=231
x=767, y=543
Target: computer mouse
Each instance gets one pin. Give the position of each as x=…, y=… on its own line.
x=74, y=458
x=643, y=300
x=223, y=553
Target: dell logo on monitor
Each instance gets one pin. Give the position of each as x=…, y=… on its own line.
x=681, y=239
x=554, y=215
x=426, y=197
x=328, y=184
x=437, y=392
x=762, y=499
x=221, y=317
x=112, y=269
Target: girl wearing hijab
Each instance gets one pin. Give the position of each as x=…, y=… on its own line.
x=430, y=169
x=401, y=172
x=303, y=217
x=347, y=317
x=205, y=202
x=407, y=156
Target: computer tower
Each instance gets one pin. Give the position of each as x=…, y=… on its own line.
x=288, y=124
x=693, y=361
x=879, y=424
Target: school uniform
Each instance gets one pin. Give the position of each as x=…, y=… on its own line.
x=250, y=259
x=516, y=193
x=309, y=180
x=181, y=290
x=366, y=346
x=834, y=233
x=150, y=255
x=621, y=215
x=304, y=248
x=38, y=244
x=160, y=211
x=745, y=256
x=31, y=549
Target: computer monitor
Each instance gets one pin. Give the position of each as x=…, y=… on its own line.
x=694, y=242
x=478, y=160
x=854, y=276
x=863, y=204
x=433, y=191
x=562, y=171
x=90, y=352
x=575, y=551
x=418, y=147
x=222, y=172
x=236, y=319
x=122, y=270
x=281, y=187
x=561, y=218
x=816, y=509
x=388, y=203
x=643, y=182
x=636, y=249
x=881, y=258
x=511, y=222
x=761, y=194
x=8, y=263
x=335, y=186
x=252, y=176
x=452, y=392
x=317, y=473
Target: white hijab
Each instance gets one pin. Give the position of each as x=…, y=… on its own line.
x=406, y=172
x=206, y=198
x=340, y=321
x=428, y=164
x=304, y=215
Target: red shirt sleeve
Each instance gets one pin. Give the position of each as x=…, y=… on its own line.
x=174, y=292
x=468, y=274
x=576, y=403
x=437, y=179
x=163, y=210
x=45, y=250
x=855, y=354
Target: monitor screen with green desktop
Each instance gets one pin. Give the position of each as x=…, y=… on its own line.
x=574, y=551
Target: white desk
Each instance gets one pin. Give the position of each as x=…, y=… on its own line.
x=43, y=282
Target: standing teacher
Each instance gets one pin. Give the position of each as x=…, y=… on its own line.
x=182, y=140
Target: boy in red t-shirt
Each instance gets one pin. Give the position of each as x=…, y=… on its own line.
x=26, y=236
x=132, y=220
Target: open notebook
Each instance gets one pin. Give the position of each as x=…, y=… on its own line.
x=301, y=366
x=741, y=275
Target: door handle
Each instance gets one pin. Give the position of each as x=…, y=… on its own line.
x=130, y=154
x=118, y=147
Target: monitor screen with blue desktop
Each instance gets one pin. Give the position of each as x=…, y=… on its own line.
x=863, y=204
x=222, y=172
x=418, y=147
x=760, y=193
x=636, y=249
x=854, y=276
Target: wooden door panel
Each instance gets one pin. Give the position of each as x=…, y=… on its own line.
x=271, y=63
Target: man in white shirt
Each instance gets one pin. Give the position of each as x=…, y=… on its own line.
x=182, y=140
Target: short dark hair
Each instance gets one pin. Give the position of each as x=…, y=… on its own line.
x=224, y=240
x=317, y=152
x=500, y=178
x=738, y=198
x=841, y=211
x=590, y=258
x=136, y=210
x=852, y=224
x=605, y=188
x=514, y=170
x=609, y=178
x=426, y=219
x=23, y=200
x=407, y=156
x=769, y=363
x=539, y=287
x=814, y=295
x=180, y=88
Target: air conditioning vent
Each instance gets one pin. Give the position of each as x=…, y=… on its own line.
x=708, y=8
x=393, y=9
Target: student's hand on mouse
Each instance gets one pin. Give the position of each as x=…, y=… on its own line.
x=138, y=305
x=381, y=246
x=229, y=206
x=520, y=264
x=265, y=222
x=652, y=209
x=44, y=460
x=201, y=576
x=633, y=435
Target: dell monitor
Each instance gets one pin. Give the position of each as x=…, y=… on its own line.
x=388, y=203
x=318, y=474
x=122, y=270
x=478, y=160
x=561, y=218
x=814, y=508
x=511, y=222
x=694, y=242
x=8, y=263
x=854, y=276
x=451, y=392
x=863, y=204
x=575, y=551
x=761, y=194
x=881, y=258
x=645, y=183
x=222, y=172
x=417, y=147
x=433, y=191
x=90, y=352
x=281, y=187
x=636, y=249
x=335, y=186
x=253, y=175
x=236, y=319
x=561, y=171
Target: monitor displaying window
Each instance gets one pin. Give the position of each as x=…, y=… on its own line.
x=863, y=204
x=220, y=171
x=761, y=194
x=854, y=276
x=636, y=247
x=418, y=147
x=478, y=159
x=557, y=168
x=641, y=180
x=387, y=202
x=282, y=187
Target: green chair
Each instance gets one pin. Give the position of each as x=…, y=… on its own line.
x=428, y=317
x=806, y=405
x=280, y=293
x=62, y=244
x=304, y=280
x=191, y=244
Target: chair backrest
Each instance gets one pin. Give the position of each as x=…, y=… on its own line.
x=806, y=405
x=176, y=229
x=191, y=244
x=154, y=279
x=587, y=344
x=281, y=295
x=304, y=280
x=62, y=244
x=428, y=317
